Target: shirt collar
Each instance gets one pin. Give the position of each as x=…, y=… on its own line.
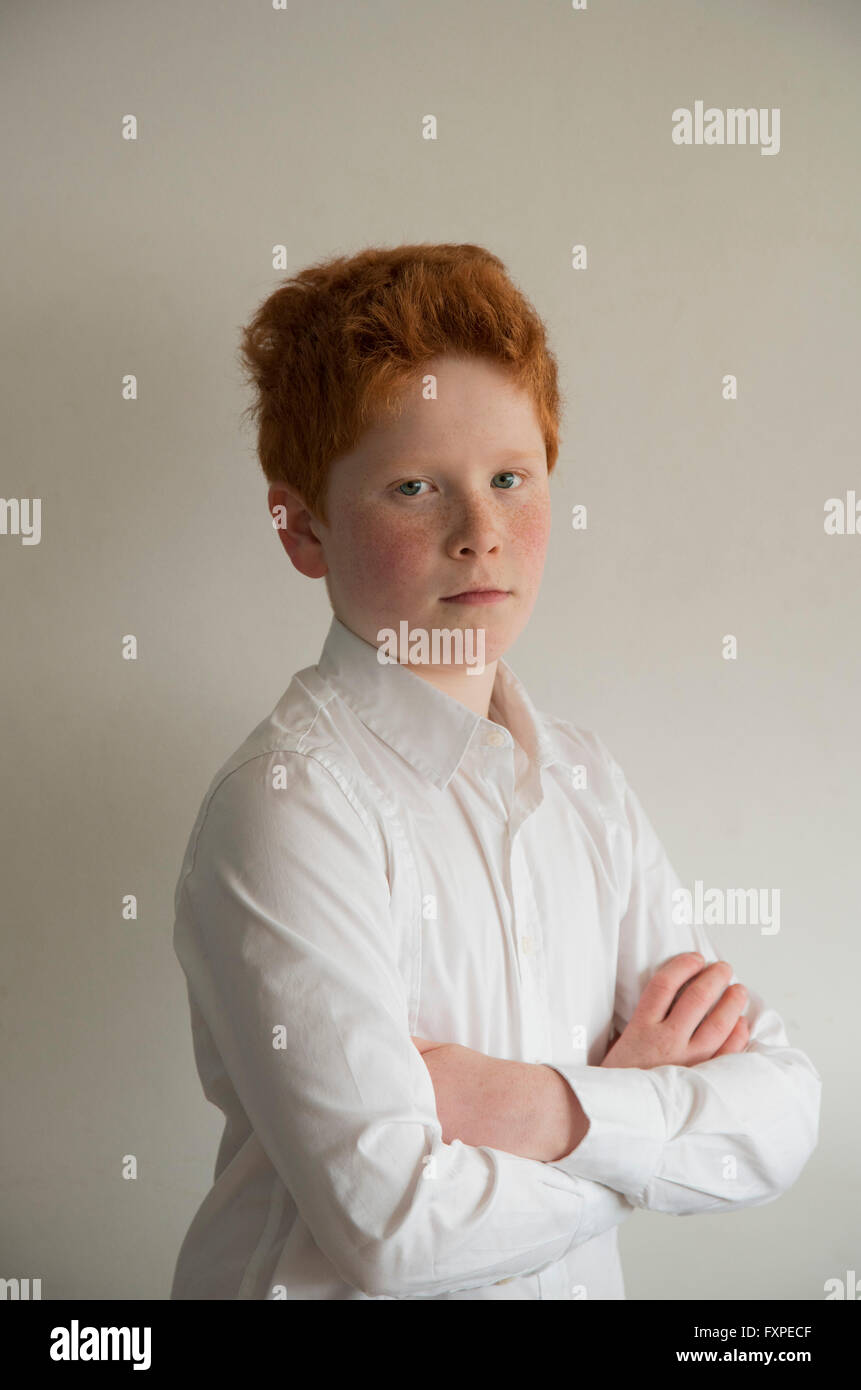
x=428, y=728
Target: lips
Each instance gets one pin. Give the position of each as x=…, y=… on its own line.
x=477, y=594
x=478, y=588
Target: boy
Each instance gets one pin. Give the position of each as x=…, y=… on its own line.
x=412, y=907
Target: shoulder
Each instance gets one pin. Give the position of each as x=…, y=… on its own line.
x=291, y=782
x=581, y=748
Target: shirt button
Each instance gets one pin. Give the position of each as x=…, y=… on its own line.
x=527, y=945
x=495, y=739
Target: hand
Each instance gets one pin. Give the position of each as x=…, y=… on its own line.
x=669, y=1025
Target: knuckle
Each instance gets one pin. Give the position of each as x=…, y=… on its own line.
x=699, y=992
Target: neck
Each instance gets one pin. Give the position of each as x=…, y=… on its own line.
x=472, y=691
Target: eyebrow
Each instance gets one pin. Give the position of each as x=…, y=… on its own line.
x=423, y=459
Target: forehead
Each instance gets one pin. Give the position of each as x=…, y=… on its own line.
x=454, y=401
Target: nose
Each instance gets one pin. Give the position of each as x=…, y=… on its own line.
x=474, y=528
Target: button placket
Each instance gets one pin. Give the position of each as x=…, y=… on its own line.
x=530, y=956
x=498, y=767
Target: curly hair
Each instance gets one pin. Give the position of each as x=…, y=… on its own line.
x=330, y=351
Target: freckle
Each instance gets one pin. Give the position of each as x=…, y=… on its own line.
x=530, y=530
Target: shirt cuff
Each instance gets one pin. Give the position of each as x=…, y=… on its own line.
x=627, y=1131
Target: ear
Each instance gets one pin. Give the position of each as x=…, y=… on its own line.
x=298, y=530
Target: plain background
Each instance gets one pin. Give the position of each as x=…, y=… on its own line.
x=303, y=128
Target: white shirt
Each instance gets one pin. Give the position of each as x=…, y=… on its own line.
x=377, y=861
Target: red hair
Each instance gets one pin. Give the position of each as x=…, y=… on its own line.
x=330, y=351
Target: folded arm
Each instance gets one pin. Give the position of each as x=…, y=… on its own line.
x=732, y=1132
x=518, y=1107
x=729, y=1132
x=284, y=932
x=728, y=1122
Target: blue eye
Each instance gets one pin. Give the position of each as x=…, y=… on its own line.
x=513, y=480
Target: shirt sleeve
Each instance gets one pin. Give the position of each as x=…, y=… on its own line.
x=286, y=937
x=734, y=1131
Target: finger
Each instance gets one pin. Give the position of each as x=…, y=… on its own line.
x=699, y=996
x=425, y=1044
x=737, y=1040
x=717, y=1026
x=664, y=985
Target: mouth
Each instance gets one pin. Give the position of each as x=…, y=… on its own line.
x=478, y=596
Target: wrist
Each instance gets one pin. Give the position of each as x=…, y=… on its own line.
x=561, y=1123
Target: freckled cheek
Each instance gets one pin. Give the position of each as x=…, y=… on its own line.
x=529, y=534
x=384, y=556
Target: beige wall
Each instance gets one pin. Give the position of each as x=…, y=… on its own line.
x=705, y=517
